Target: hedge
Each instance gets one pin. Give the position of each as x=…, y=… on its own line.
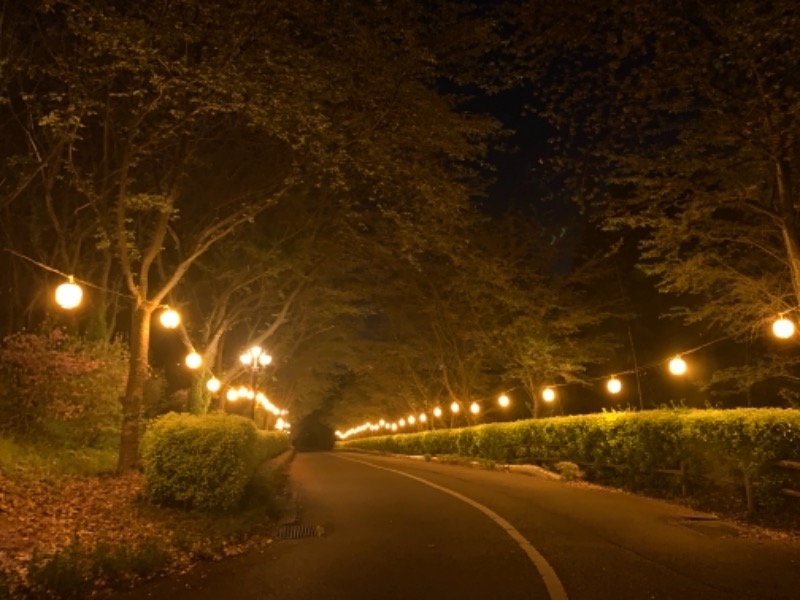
x=666, y=451
x=204, y=462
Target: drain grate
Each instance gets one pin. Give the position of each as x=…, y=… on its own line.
x=293, y=532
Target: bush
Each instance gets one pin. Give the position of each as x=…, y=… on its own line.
x=714, y=449
x=62, y=387
x=202, y=462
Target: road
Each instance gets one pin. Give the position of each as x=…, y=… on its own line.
x=401, y=529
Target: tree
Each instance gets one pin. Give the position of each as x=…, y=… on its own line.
x=167, y=127
x=680, y=121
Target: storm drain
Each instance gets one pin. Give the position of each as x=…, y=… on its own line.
x=293, y=532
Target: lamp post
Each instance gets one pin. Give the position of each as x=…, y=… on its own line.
x=255, y=358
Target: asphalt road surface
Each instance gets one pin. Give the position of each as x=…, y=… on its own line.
x=399, y=529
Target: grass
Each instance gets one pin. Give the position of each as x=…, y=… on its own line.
x=129, y=540
x=29, y=460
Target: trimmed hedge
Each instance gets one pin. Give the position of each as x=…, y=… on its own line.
x=664, y=451
x=204, y=462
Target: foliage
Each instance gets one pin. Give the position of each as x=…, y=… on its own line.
x=568, y=470
x=73, y=571
x=270, y=444
x=712, y=447
x=199, y=462
x=39, y=459
x=674, y=126
x=63, y=385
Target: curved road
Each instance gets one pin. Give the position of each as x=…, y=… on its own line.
x=402, y=529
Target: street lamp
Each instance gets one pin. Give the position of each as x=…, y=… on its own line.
x=255, y=357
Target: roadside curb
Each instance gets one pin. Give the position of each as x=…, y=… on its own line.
x=530, y=470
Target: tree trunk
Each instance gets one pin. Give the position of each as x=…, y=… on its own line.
x=789, y=229
x=134, y=393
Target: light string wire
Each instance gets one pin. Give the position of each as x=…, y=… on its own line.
x=184, y=333
x=191, y=346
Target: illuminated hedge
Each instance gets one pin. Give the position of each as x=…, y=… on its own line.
x=663, y=450
x=204, y=462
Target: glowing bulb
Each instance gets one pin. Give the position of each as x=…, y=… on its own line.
x=246, y=359
x=437, y=412
x=402, y=422
x=677, y=366
x=412, y=419
x=474, y=408
x=232, y=395
x=614, y=385
x=170, y=319
x=194, y=360
x=213, y=384
x=264, y=359
x=69, y=295
x=783, y=328
x=454, y=407
x=503, y=401
x=548, y=394
x=423, y=418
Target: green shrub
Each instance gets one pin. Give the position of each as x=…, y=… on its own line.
x=61, y=387
x=202, y=462
x=568, y=470
x=270, y=444
x=714, y=449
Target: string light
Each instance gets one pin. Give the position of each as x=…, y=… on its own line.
x=170, y=318
x=677, y=366
x=69, y=295
x=474, y=408
x=213, y=385
x=783, y=328
x=504, y=401
x=194, y=360
x=454, y=407
x=614, y=385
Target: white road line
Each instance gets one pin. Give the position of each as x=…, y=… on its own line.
x=551, y=580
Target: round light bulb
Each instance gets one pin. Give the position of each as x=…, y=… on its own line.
x=437, y=412
x=548, y=394
x=614, y=385
x=783, y=328
x=232, y=395
x=170, y=319
x=423, y=418
x=69, y=295
x=503, y=401
x=474, y=408
x=677, y=366
x=213, y=384
x=194, y=360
